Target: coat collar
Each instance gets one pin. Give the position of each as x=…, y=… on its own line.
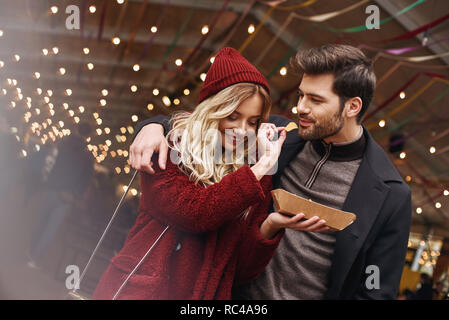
x=342, y=152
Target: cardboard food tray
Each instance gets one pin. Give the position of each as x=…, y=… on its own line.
x=292, y=204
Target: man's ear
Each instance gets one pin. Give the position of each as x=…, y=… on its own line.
x=353, y=107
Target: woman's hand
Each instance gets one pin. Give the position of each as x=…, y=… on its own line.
x=268, y=149
x=276, y=221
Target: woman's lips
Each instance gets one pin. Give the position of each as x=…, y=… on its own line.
x=305, y=123
x=234, y=140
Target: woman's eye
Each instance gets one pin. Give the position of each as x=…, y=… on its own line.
x=232, y=118
x=254, y=124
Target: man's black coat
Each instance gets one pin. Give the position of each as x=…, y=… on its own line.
x=379, y=236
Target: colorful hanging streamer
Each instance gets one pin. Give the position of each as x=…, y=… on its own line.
x=403, y=36
x=170, y=48
x=423, y=66
x=273, y=40
x=388, y=73
x=83, y=18
x=413, y=59
x=133, y=33
x=258, y=27
x=131, y=37
x=284, y=60
x=204, y=37
x=326, y=16
x=288, y=8
x=418, y=30
x=158, y=24
x=398, y=64
x=121, y=17
x=398, y=51
x=442, y=134
x=413, y=116
x=102, y=19
x=426, y=181
x=227, y=38
x=435, y=77
x=273, y=2
x=364, y=27
x=316, y=18
x=406, y=103
x=179, y=33
x=274, y=6
x=296, y=6
x=392, y=97
x=292, y=50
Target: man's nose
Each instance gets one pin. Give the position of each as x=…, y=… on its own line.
x=302, y=108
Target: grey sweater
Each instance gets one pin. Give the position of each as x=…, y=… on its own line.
x=301, y=264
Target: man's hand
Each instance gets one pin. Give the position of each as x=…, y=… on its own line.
x=149, y=140
x=276, y=221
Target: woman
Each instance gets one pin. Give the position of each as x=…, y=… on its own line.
x=216, y=210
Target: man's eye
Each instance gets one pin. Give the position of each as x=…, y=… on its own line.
x=316, y=101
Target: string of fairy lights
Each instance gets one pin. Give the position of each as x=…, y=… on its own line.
x=134, y=88
x=402, y=155
x=431, y=253
x=48, y=123
x=55, y=125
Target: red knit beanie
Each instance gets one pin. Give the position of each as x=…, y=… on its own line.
x=229, y=68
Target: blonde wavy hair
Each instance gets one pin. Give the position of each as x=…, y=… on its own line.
x=194, y=136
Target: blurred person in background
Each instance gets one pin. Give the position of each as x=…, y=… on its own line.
x=67, y=173
x=8, y=159
x=438, y=292
x=425, y=292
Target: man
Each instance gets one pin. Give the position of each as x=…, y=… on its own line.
x=334, y=161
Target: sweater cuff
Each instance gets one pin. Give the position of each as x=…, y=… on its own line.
x=269, y=243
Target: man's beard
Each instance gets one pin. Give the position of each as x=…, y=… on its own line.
x=326, y=128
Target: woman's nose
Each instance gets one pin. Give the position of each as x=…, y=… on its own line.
x=240, y=130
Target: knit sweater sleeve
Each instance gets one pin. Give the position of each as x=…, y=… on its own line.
x=173, y=199
x=256, y=252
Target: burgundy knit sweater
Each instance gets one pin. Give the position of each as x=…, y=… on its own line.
x=208, y=247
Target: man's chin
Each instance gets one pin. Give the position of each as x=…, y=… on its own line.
x=305, y=134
